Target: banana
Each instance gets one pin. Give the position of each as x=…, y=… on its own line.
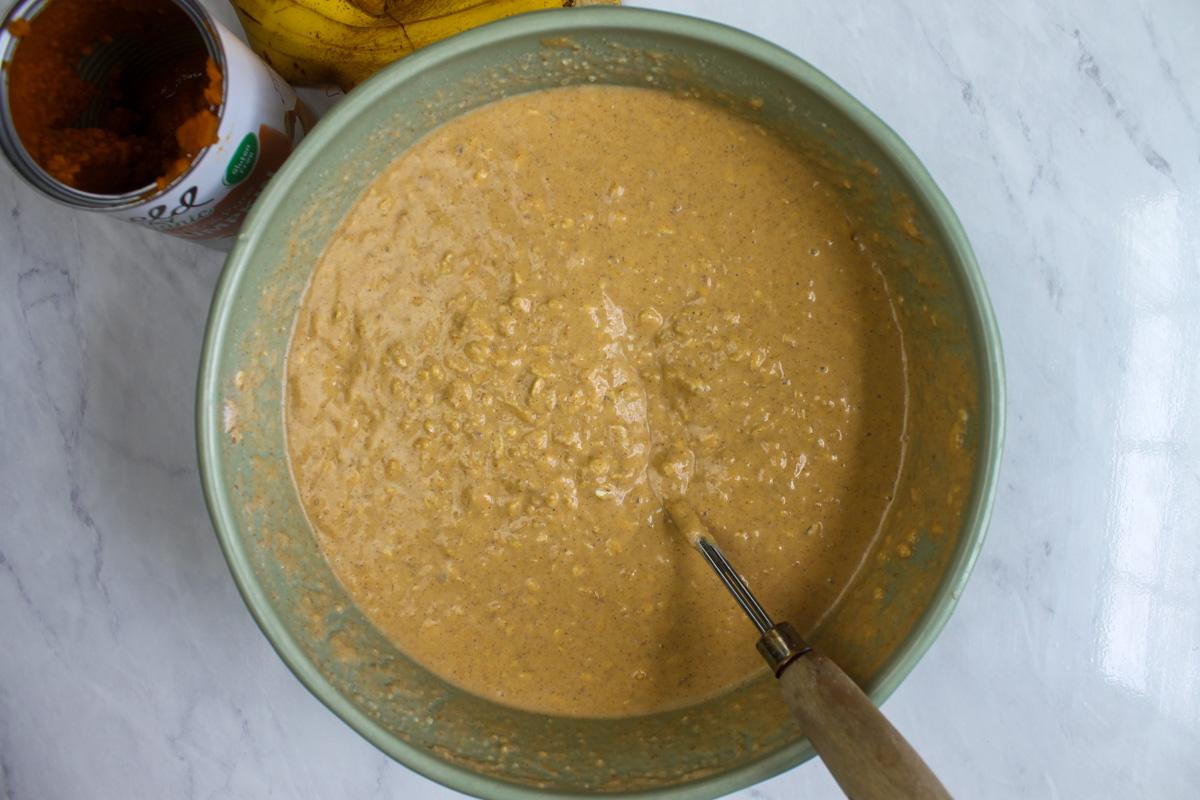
x=315, y=61
x=347, y=13
x=343, y=42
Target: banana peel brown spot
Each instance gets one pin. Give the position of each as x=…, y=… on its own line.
x=376, y=8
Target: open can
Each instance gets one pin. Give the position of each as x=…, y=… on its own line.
x=259, y=117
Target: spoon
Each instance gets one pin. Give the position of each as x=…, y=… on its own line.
x=868, y=757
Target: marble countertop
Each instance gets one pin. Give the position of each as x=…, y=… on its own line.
x=1066, y=135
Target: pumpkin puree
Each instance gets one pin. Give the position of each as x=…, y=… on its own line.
x=153, y=123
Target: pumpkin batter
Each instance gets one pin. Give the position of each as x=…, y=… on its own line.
x=543, y=319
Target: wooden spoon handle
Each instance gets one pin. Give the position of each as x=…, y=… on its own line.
x=867, y=756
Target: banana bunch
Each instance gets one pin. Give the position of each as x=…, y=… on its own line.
x=343, y=42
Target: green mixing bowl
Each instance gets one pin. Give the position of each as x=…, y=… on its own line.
x=908, y=585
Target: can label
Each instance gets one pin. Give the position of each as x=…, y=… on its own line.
x=261, y=120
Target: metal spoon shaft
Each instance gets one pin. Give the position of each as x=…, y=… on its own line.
x=696, y=532
x=733, y=582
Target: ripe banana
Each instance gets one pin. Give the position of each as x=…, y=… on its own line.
x=343, y=42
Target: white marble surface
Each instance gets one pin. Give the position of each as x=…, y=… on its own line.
x=1067, y=136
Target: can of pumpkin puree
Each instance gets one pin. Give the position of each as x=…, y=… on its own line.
x=150, y=111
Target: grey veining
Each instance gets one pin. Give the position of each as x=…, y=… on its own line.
x=1066, y=137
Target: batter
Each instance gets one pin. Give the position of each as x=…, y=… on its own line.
x=543, y=319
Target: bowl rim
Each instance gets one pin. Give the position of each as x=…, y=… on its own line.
x=547, y=24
